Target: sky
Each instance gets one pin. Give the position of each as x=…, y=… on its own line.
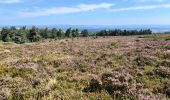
x=85, y=12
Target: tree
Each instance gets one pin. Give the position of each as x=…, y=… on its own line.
x=12, y=32
x=85, y=33
x=118, y=32
x=68, y=33
x=60, y=33
x=54, y=33
x=75, y=33
x=45, y=33
x=20, y=37
x=25, y=32
x=102, y=33
x=5, y=35
x=33, y=36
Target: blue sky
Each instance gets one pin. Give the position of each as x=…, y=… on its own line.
x=84, y=12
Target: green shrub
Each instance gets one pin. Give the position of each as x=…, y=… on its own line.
x=20, y=37
x=109, y=87
x=106, y=75
x=168, y=92
x=166, y=56
x=144, y=60
x=114, y=43
x=163, y=71
x=2, y=71
x=167, y=89
x=22, y=72
x=17, y=96
x=94, y=86
x=164, y=63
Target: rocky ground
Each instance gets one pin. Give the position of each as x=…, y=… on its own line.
x=132, y=67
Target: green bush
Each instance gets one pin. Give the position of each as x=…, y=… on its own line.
x=109, y=87
x=163, y=72
x=22, y=72
x=164, y=63
x=142, y=60
x=114, y=43
x=168, y=92
x=94, y=86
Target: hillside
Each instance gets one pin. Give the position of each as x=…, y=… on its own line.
x=134, y=67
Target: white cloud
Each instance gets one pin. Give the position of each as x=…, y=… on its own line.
x=65, y=10
x=9, y=1
x=147, y=7
x=147, y=0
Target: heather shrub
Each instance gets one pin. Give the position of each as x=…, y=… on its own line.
x=109, y=87
x=146, y=60
x=22, y=72
x=163, y=71
x=167, y=56
x=106, y=75
x=165, y=63
x=167, y=89
x=94, y=86
x=118, y=83
x=168, y=92
x=55, y=70
x=17, y=96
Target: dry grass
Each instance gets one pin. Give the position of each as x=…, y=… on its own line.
x=62, y=69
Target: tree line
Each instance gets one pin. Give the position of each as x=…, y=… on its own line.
x=24, y=34
x=118, y=32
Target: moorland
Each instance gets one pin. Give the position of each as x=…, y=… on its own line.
x=88, y=67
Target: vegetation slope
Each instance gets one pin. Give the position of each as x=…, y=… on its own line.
x=104, y=68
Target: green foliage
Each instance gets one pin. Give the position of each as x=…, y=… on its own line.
x=60, y=34
x=168, y=92
x=163, y=71
x=143, y=60
x=118, y=32
x=22, y=72
x=68, y=33
x=20, y=37
x=72, y=33
x=114, y=43
x=164, y=63
x=94, y=86
x=17, y=96
x=54, y=33
x=85, y=33
x=75, y=33
x=159, y=36
x=109, y=87
x=16, y=72
x=2, y=71
x=5, y=35
x=33, y=35
x=166, y=56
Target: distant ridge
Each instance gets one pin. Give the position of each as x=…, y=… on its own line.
x=94, y=28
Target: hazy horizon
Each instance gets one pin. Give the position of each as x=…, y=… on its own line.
x=94, y=28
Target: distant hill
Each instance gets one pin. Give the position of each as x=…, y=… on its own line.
x=94, y=28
